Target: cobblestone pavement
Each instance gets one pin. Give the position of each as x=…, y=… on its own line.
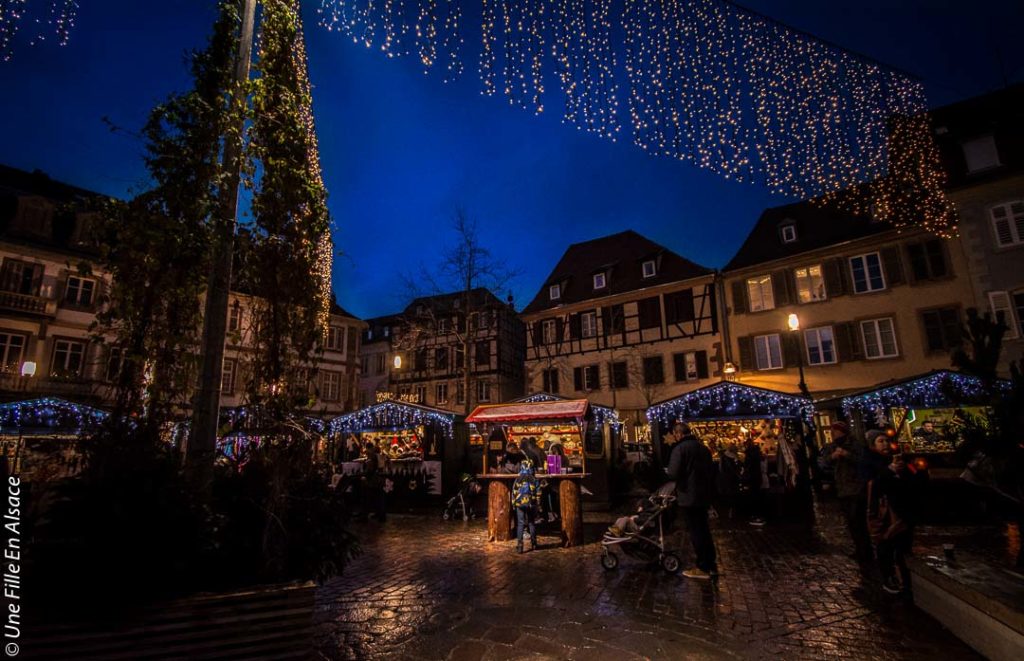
x=427, y=589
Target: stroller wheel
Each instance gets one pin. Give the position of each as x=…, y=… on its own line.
x=610, y=561
x=670, y=562
x=447, y=515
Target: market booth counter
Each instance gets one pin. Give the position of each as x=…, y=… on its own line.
x=425, y=447
x=552, y=423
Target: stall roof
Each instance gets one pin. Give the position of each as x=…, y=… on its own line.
x=558, y=409
x=602, y=413
x=728, y=399
x=391, y=415
x=937, y=388
x=48, y=415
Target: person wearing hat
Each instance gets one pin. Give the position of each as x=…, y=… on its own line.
x=846, y=454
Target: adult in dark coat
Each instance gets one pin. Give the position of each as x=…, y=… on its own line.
x=692, y=468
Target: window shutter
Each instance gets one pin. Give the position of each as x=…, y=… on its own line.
x=559, y=327
x=702, y=364
x=746, y=345
x=893, y=267
x=848, y=343
x=739, y=297
x=947, y=261
x=679, y=366
x=538, y=333
x=575, y=326
x=916, y=258
x=832, y=271
x=1003, y=311
x=791, y=348
x=780, y=289
x=577, y=379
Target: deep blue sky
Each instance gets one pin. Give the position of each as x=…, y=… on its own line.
x=401, y=150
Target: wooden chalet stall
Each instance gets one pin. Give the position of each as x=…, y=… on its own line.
x=427, y=448
x=35, y=432
x=552, y=422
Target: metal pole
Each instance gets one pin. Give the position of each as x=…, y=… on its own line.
x=202, y=440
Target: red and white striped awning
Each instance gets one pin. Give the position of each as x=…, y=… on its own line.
x=569, y=409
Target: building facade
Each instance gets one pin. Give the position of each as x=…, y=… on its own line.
x=376, y=360
x=50, y=292
x=624, y=322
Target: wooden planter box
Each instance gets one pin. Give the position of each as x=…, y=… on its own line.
x=272, y=622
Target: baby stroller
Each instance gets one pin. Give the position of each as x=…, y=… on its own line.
x=642, y=536
x=459, y=504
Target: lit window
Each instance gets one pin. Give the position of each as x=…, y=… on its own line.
x=768, y=352
x=599, y=281
x=441, y=393
x=1002, y=311
x=981, y=153
x=555, y=292
x=759, y=290
x=649, y=268
x=588, y=324
x=227, y=377
x=821, y=346
x=330, y=386
x=79, y=291
x=235, y=318
x=879, y=338
x=335, y=338
x=68, y=358
x=788, y=233
x=483, y=391
x=1008, y=223
x=867, y=273
x=810, y=285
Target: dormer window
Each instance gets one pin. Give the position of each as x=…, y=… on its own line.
x=788, y=233
x=555, y=292
x=599, y=281
x=649, y=268
x=981, y=154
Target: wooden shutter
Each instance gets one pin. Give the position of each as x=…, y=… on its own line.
x=575, y=326
x=739, y=297
x=746, y=345
x=780, y=288
x=1002, y=310
x=536, y=329
x=702, y=364
x=892, y=265
x=679, y=366
x=917, y=261
x=791, y=349
x=832, y=272
x=577, y=378
x=848, y=342
x=559, y=329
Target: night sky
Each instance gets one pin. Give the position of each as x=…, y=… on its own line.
x=401, y=150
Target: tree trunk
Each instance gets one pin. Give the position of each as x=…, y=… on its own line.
x=499, y=512
x=572, y=512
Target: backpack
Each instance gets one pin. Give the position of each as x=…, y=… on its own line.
x=524, y=491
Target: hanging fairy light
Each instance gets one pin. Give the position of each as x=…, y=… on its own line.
x=731, y=400
x=391, y=415
x=938, y=389
x=58, y=19
x=49, y=413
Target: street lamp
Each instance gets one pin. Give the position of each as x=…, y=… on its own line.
x=729, y=370
x=397, y=362
x=794, y=327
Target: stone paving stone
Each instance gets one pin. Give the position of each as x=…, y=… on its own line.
x=425, y=590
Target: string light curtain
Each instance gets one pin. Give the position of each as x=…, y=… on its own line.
x=55, y=18
x=709, y=82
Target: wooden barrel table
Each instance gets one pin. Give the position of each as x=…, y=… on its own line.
x=499, y=505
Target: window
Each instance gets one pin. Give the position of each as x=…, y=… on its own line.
x=690, y=366
x=115, y=363
x=810, y=284
x=649, y=269
x=21, y=277
x=591, y=378
x=79, y=291
x=442, y=325
x=981, y=153
x=550, y=378
x=227, y=376
x=441, y=358
x=235, y=321
x=588, y=324
x=364, y=364
x=460, y=357
x=649, y=311
x=867, y=273
x=380, y=363
x=555, y=292
x=68, y=358
x=1018, y=304
x=879, y=338
x=483, y=352
x=548, y=331
x=759, y=291
x=484, y=319
x=941, y=328
x=788, y=233
x=821, y=346
x=12, y=348
x=927, y=259
x=614, y=319
x=654, y=370
x=620, y=375
x=679, y=306
x=768, y=352
x=1008, y=223
x=483, y=391
x=420, y=359
x=441, y=393
x=460, y=393
x=599, y=281
x=330, y=386
x=1002, y=310
x=420, y=394
x=335, y=337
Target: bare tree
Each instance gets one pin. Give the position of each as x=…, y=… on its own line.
x=642, y=380
x=465, y=268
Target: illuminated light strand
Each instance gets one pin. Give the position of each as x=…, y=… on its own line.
x=11, y=14
x=49, y=413
x=941, y=389
x=731, y=400
x=391, y=415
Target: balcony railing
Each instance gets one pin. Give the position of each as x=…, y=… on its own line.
x=10, y=300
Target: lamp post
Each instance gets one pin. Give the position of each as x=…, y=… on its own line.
x=794, y=327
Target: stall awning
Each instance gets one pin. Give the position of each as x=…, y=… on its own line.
x=391, y=415
x=48, y=415
x=938, y=388
x=731, y=400
x=569, y=409
x=601, y=414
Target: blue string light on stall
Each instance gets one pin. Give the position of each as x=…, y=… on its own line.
x=49, y=413
x=391, y=415
x=938, y=389
x=730, y=400
x=602, y=414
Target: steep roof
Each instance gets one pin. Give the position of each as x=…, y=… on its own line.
x=816, y=227
x=621, y=257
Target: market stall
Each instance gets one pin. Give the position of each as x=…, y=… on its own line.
x=558, y=428
x=39, y=437
x=927, y=412
x=728, y=413
x=424, y=455
x=241, y=428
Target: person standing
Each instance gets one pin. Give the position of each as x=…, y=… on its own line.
x=692, y=468
x=754, y=480
x=846, y=454
x=727, y=480
x=526, y=500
